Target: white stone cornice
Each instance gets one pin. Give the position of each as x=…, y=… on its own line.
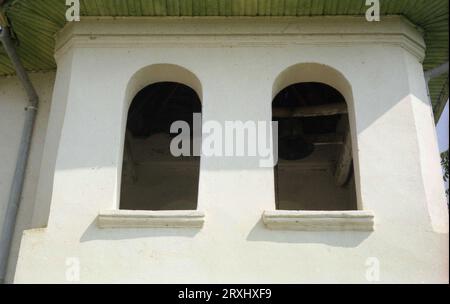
x=145, y=32
x=358, y=220
x=150, y=219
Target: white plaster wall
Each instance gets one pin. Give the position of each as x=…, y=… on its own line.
x=237, y=76
x=13, y=100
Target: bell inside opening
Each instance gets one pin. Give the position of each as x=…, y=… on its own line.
x=315, y=167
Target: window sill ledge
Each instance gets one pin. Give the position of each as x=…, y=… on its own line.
x=150, y=219
x=319, y=220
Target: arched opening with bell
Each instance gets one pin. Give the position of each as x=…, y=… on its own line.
x=315, y=168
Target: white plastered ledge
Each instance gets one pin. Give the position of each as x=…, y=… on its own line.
x=319, y=220
x=150, y=219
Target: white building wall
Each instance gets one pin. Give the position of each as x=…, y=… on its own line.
x=237, y=71
x=13, y=101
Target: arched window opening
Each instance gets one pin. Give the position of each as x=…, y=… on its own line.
x=152, y=178
x=315, y=170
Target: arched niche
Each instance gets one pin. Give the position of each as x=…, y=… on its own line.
x=152, y=178
x=317, y=168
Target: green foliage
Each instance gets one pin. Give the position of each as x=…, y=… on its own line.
x=444, y=163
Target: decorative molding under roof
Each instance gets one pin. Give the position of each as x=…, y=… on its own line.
x=242, y=31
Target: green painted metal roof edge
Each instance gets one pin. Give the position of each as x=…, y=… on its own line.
x=36, y=22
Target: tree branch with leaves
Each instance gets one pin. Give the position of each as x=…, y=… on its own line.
x=444, y=163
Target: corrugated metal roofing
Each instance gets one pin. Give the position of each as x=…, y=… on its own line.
x=36, y=22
